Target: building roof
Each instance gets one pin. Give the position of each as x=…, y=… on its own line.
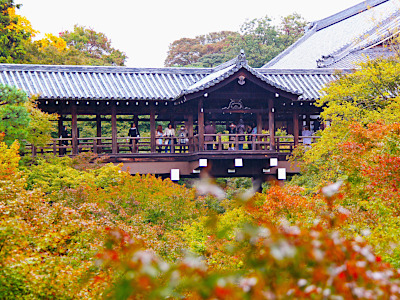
x=121, y=83
x=228, y=69
x=331, y=39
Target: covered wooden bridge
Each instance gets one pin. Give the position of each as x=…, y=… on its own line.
x=267, y=99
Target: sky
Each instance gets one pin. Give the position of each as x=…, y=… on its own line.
x=145, y=29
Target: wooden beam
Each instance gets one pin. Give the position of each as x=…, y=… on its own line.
x=200, y=124
x=114, y=145
x=259, y=127
x=152, y=130
x=271, y=123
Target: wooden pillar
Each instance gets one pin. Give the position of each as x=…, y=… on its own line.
x=271, y=123
x=74, y=129
x=152, y=130
x=98, y=129
x=136, y=120
x=190, y=130
x=114, y=145
x=60, y=125
x=98, y=125
x=308, y=121
x=200, y=124
x=296, y=126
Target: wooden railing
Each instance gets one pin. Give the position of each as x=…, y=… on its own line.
x=128, y=145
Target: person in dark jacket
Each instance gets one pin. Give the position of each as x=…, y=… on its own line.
x=241, y=130
x=64, y=135
x=209, y=129
x=133, y=133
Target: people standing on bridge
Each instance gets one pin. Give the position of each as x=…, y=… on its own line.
x=64, y=135
x=159, y=138
x=133, y=133
x=183, y=139
x=209, y=129
x=249, y=132
x=307, y=140
x=232, y=131
x=169, y=134
x=241, y=131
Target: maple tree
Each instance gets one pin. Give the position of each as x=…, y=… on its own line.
x=259, y=38
x=13, y=34
x=20, y=119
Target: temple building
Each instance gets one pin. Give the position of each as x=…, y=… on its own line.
x=281, y=94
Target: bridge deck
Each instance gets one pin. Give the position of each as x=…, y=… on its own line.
x=222, y=155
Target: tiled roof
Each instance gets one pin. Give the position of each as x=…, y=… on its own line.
x=108, y=83
x=309, y=81
x=105, y=83
x=352, y=29
x=352, y=59
x=228, y=70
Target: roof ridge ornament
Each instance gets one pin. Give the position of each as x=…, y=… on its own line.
x=241, y=59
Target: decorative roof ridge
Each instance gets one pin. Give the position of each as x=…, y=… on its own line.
x=238, y=60
x=347, y=13
x=230, y=70
x=312, y=28
x=101, y=69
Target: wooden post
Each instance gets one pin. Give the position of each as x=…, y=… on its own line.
x=98, y=128
x=296, y=126
x=271, y=124
x=74, y=129
x=308, y=121
x=190, y=132
x=60, y=128
x=152, y=130
x=60, y=125
x=259, y=128
x=114, y=145
x=94, y=146
x=55, y=147
x=200, y=124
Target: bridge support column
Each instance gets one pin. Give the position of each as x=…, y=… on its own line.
x=200, y=124
x=257, y=184
x=74, y=129
x=114, y=144
x=271, y=123
x=296, y=126
x=152, y=130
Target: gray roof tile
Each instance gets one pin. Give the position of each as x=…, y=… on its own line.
x=354, y=27
x=107, y=83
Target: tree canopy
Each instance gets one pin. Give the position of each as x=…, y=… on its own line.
x=13, y=34
x=259, y=38
x=20, y=119
x=82, y=46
